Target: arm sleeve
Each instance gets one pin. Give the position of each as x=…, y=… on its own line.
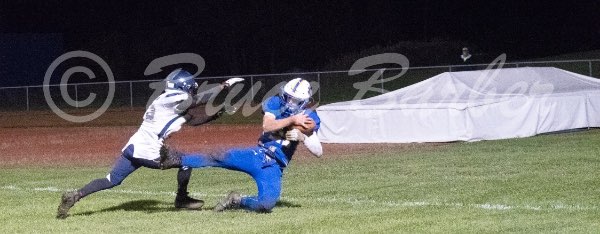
x=182, y=106
x=196, y=119
x=313, y=144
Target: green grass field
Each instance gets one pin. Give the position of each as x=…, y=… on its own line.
x=541, y=184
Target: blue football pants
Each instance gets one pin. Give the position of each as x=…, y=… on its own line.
x=127, y=164
x=253, y=161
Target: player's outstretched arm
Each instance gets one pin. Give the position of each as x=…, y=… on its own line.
x=199, y=100
x=199, y=119
x=204, y=96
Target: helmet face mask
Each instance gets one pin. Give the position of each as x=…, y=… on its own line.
x=292, y=104
x=181, y=80
x=295, y=96
x=187, y=85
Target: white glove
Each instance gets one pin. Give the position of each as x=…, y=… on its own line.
x=230, y=82
x=230, y=109
x=294, y=135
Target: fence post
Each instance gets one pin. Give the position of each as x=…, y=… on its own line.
x=76, y=99
x=450, y=68
x=130, y=95
x=320, y=86
x=590, y=66
x=382, y=71
x=27, y=97
x=252, y=87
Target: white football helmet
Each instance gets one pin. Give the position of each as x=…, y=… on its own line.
x=295, y=95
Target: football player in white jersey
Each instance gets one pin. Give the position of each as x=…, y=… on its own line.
x=166, y=115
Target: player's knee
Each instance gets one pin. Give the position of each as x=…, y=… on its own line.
x=267, y=205
x=115, y=180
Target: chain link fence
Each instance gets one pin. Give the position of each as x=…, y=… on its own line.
x=333, y=86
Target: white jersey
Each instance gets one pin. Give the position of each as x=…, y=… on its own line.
x=160, y=120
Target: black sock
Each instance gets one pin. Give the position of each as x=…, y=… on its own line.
x=95, y=186
x=183, y=178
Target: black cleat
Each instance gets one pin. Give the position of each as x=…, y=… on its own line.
x=67, y=201
x=169, y=158
x=186, y=202
x=232, y=201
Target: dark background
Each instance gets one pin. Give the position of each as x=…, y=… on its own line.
x=253, y=37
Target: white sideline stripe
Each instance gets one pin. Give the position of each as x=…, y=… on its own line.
x=54, y=189
x=351, y=201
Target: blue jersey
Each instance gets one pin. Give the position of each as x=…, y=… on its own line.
x=274, y=142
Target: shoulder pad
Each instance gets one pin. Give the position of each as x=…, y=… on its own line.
x=272, y=105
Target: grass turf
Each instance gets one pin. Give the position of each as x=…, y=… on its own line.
x=546, y=183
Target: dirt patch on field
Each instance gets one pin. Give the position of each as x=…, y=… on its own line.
x=101, y=145
x=46, y=118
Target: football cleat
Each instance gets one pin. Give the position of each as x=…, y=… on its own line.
x=67, y=201
x=183, y=201
x=232, y=201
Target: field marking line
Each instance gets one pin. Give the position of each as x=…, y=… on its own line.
x=351, y=201
x=121, y=191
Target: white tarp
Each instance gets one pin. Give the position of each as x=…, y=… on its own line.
x=468, y=106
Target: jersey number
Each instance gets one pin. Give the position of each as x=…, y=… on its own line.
x=150, y=113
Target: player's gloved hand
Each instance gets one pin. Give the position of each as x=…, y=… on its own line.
x=230, y=82
x=230, y=109
x=294, y=135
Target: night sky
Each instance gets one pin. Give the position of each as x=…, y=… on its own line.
x=252, y=37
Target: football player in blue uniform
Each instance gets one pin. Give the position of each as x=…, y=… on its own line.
x=265, y=162
x=166, y=115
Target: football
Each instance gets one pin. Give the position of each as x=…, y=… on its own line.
x=308, y=130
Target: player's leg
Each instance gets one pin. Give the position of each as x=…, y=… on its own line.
x=252, y=161
x=198, y=161
x=121, y=169
x=182, y=200
x=245, y=160
x=268, y=182
x=267, y=175
x=234, y=159
x=170, y=158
